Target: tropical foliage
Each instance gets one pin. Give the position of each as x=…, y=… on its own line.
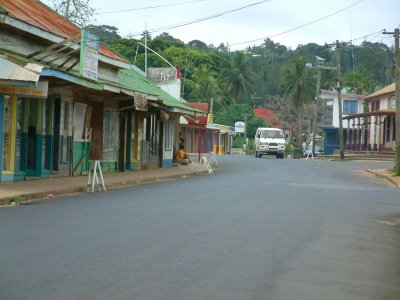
x=271, y=71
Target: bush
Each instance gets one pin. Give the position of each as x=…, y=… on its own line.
x=238, y=141
x=293, y=151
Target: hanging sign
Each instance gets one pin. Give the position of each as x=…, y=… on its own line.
x=26, y=90
x=239, y=127
x=89, y=55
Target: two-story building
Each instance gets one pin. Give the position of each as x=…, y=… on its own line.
x=374, y=128
x=351, y=104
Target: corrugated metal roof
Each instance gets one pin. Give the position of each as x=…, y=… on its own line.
x=13, y=71
x=198, y=105
x=135, y=81
x=39, y=15
x=386, y=90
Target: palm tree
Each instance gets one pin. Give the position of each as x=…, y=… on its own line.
x=204, y=84
x=358, y=82
x=299, y=88
x=237, y=76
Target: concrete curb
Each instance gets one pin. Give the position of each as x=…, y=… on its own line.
x=28, y=197
x=393, y=182
x=135, y=182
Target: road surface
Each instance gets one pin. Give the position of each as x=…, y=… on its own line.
x=259, y=228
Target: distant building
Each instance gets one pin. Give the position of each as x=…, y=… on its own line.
x=374, y=129
x=351, y=104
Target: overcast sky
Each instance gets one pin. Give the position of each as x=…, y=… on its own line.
x=266, y=19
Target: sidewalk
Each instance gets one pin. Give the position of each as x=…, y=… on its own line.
x=387, y=175
x=52, y=187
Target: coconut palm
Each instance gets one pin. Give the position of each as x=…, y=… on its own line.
x=299, y=88
x=237, y=76
x=204, y=84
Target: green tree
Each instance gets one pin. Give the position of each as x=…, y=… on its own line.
x=78, y=12
x=104, y=32
x=241, y=112
x=358, y=82
x=299, y=88
x=204, y=84
x=199, y=45
x=237, y=77
x=166, y=36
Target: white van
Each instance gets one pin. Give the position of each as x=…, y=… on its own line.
x=270, y=141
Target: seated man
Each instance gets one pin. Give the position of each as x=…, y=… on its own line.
x=181, y=156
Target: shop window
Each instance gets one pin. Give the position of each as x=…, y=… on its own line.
x=328, y=112
x=168, y=134
x=375, y=106
x=391, y=103
x=110, y=135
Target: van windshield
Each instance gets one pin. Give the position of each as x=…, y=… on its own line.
x=272, y=134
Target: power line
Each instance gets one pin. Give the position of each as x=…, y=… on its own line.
x=301, y=26
x=198, y=20
x=148, y=7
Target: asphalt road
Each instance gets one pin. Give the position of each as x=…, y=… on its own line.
x=260, y=228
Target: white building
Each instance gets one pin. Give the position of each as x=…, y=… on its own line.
x=351, y=104
x=374, y=129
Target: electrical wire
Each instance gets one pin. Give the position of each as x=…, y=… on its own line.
x=301, y=26
x=198, y=20
x=148, y=7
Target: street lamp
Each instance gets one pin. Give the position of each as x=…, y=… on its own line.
x=319, y=68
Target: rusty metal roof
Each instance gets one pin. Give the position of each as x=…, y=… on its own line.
x=39, y=15
x=14, y=72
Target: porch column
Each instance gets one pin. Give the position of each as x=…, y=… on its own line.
x=369, y=133
x=353, y=138
x=358, y=134
x=362, y=137
x=199, y=143
x=348, y=135
x=392, y=132
x=375, y=132
x=379, y=133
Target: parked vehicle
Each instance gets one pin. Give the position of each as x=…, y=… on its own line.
x=270, y=141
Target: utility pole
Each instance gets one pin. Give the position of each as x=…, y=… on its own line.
x=339, y=92
x=316, y=109
x=319, y=68
x=397, y=77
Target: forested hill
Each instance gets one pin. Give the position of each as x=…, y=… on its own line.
x=257, y=76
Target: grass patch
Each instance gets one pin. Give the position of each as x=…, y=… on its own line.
x=16, y=199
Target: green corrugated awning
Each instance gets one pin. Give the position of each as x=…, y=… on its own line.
x=133, y=80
